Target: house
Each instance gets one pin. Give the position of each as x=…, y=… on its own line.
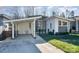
x=54, y=24
x=58, y=24
x=3, y=26
x=2, y=18
x=31, y=25
x=76, y=23
x=23, y=26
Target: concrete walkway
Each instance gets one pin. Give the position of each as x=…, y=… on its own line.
x=46, y=47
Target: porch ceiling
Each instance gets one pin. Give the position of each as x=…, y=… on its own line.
x=23, y=21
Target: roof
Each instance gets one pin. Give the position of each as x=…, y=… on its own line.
x=24, y=19
x=62, y=18
x=40, y=19
x=38, y=16
x=5, y=16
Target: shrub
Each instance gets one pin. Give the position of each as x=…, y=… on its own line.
x=62, y=33
x=50, y=33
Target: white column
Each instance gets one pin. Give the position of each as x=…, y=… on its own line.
x=68, y=26
x=34, y=29
x=76, y=25
x=55, y=25
x=16, y=29
x=12, y=30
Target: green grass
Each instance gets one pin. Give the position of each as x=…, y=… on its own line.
x=67, y=43
x=66, y=47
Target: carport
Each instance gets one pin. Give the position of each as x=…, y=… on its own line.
x=23, y=26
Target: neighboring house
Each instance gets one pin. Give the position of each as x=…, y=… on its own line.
x=76, y=23
x=3, y=26
x=54, y=24
x=58, y=24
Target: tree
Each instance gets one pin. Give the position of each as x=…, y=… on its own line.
x=62, y=14
x=44, y=11
x=26, y=11
x=67, y=13
x=53, y=13
x=72, y=14
x=11, y=11
x=29, y=11
x=16, y=13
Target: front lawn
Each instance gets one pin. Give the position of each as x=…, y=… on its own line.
x=67, y=43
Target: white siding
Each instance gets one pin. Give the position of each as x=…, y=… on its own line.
x=48, y=25
x=54, y=25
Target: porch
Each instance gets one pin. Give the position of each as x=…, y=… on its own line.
x=63, y=25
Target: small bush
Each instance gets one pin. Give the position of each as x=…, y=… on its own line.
x=70, y=48
x=62, y=33
x=50, y=33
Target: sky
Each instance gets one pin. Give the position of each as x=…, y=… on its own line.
x=9, y=10
x=61, y=9
x=75, y=9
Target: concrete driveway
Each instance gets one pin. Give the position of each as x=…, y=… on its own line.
x=27, y=44
x=21, y=44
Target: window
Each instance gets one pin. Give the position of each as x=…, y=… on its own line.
x=64, y=23
x=50, y=25
x=59, y=22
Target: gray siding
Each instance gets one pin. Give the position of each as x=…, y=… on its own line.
x=40, y=25
x=72, y=24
